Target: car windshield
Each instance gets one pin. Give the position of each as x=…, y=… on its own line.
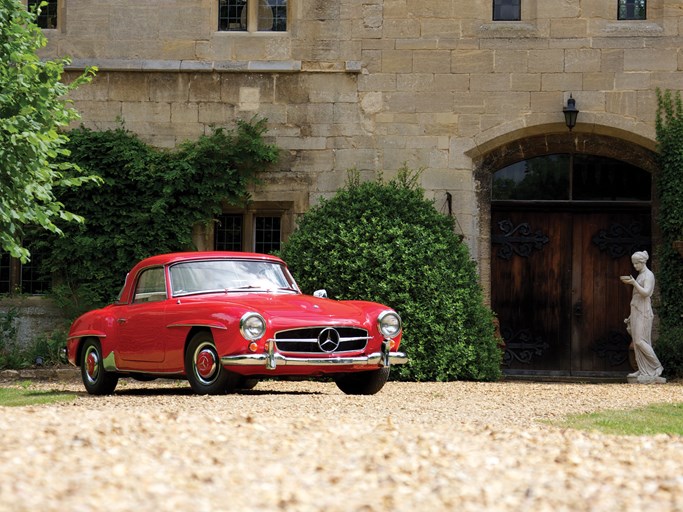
x=212, y=276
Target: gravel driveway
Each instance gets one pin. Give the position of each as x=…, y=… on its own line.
x=305, y=446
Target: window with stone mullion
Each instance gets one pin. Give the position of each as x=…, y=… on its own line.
x=235, y=15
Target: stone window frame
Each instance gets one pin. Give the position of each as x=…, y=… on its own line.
x=252, y=18
x=250, y=215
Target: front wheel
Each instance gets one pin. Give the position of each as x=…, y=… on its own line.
x=363, y=383
x=96, y=379
x=204, y=369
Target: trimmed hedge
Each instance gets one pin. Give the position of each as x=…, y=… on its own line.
x=385, y=242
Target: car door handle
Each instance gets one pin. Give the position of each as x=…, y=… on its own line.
x=122, y=320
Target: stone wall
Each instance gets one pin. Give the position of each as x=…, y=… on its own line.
x=374, y=84
x=36, y=316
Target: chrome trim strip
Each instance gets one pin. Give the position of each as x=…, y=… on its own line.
x=315, y=340
x=271, y=360
x=88, y=335
x=210, y=326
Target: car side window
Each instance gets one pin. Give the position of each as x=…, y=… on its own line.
x=151, y=286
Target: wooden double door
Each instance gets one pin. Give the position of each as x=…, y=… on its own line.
x=555, y=285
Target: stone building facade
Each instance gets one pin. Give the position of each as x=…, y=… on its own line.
x=375, y=84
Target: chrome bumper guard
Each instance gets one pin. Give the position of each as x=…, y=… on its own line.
x=271, y=359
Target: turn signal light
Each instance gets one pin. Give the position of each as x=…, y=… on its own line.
x=253, y=347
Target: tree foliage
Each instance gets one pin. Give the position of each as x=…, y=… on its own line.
x=385, y=242
x=670, y=222
x=33, y=109
x=147, y=204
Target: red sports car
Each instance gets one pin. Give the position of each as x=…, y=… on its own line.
x=225, y=320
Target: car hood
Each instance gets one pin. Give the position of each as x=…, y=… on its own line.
x=299, y=308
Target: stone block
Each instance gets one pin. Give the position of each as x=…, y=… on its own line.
x=525, y=82
x=215, y=113
x=623, y=103
x=490, y=82
x=582, y=60
x=510, y=61
x=650, y=59
x=472, y=61
x=394, y=61
x=128, y=87
x=568, y=28
x=561, y=81
x=633, y=81
x=100, y=111
x=400, y=28
x=598, y=81
x=205, y=87
x=432, y=61
x=147, y=112
x=168, y=87
x=546, y=61
x=185, y=113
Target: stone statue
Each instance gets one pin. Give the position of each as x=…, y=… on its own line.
x=639, y=323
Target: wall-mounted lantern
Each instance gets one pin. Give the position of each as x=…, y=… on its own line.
x=570, y=113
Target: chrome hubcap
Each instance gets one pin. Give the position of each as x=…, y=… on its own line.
x=92, y=364
x=205, y=364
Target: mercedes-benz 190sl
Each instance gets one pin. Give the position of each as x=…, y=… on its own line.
x=224, y=321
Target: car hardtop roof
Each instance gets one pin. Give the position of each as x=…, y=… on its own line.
x=176, y=257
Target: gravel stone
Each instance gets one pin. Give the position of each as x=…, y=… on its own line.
x=305, y=446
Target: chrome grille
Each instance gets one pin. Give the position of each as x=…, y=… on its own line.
x=307, y=340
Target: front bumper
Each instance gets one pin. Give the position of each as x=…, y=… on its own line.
x=272, y=359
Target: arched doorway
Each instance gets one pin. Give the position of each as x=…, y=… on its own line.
x=563, y=226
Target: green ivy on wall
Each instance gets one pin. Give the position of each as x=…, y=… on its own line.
x=147, y=204
x=670, y=221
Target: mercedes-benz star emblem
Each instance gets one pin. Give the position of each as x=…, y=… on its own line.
x=328, y=340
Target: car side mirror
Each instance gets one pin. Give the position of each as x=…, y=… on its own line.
x=321, y=294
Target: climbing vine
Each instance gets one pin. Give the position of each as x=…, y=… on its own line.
x=670, y=221
x=148, y=202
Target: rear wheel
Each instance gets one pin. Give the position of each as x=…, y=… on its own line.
x=204, y=369
x=96, y=379
x=363, y=383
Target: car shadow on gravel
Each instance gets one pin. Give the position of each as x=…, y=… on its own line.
x=178, y=391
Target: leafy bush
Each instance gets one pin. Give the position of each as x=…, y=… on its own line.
x=147, y=204
x=670, y=221
x=385, y=242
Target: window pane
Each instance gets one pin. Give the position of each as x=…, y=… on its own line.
x=507, y=10
x=228, y=233
x=33, y=280
x=632, y=10
x=232, y=15
x=48, y=13
x=151, y=286
x=275, y=15
x=267, y=234
x=604, y=179
x=541, y=178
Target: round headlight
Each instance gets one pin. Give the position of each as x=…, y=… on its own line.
x=389, y=324
x=252, y=326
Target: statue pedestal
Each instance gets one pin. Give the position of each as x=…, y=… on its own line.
x=645, y=379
